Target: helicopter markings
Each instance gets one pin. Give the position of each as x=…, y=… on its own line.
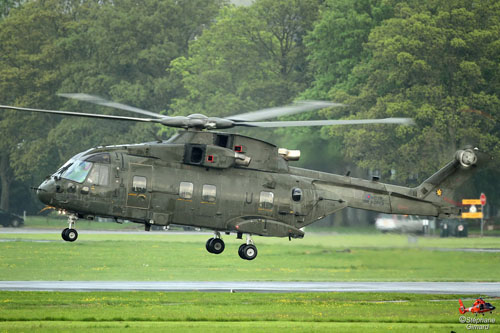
x=374, y=200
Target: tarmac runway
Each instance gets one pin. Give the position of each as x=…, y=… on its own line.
x=473, y=288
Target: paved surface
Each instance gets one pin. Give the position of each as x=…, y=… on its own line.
x=475, y=288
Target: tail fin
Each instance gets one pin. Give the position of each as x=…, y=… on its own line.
x=462, y=307
x=441, y=187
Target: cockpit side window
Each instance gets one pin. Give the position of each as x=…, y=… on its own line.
x=78, y=171
x=99, y=175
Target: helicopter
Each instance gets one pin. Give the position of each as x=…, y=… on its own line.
x=227, y=182
x=479, y=306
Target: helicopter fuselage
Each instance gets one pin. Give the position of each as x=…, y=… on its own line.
x=231, y=183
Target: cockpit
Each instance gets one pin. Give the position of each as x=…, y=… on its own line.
x=93, y=169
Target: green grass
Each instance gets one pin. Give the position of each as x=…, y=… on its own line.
x=164, y=256
x=230, y=327
x=195, y=311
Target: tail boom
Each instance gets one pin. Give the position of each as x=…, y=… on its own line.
x=462, y=308
x=434, y=197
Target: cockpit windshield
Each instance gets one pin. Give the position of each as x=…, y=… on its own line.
x=77, y=171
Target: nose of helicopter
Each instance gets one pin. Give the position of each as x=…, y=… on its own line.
x=45, y=192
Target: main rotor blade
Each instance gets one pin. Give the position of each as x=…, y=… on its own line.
x=298, y=107
x=401, y=121
x=81, y=114
x=104, y=102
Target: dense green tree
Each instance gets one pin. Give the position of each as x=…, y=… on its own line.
x=119, y=50
x=252, y=57
x=124, y=48
x=7, y=5
x=29, y=76
x=336, y=45
x=435, y=62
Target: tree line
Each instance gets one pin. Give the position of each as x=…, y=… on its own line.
x=435, y=61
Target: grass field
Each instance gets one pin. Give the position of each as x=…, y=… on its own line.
x=194, y=311
x=164, y=256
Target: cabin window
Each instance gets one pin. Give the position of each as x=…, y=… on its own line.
x=266, y=200
x=99, y=175
x=296, y=194
x=186, y=190
x=139, y=184
x=209, y=193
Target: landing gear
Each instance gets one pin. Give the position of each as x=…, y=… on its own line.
x=70, y=234
x=248, y=251
x=215, y=245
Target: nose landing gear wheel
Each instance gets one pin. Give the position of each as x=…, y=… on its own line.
x=248, y=252
x=69, y=235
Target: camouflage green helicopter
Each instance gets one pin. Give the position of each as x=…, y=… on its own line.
x=229, y=183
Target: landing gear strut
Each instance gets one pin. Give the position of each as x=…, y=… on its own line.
x=248, y=250
x=70, y=234
x=215, y=244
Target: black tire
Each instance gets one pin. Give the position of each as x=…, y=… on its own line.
x=240, y=251
x=249, y=252
x=207, y=245
x=217, y=246
x=71, y=235
x=63, y=234
x=15, y=223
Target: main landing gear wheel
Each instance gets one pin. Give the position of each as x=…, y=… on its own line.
x=69, y=235
x=63, y=234
x=240, y=249
x=247, y=251
x=215, y=245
